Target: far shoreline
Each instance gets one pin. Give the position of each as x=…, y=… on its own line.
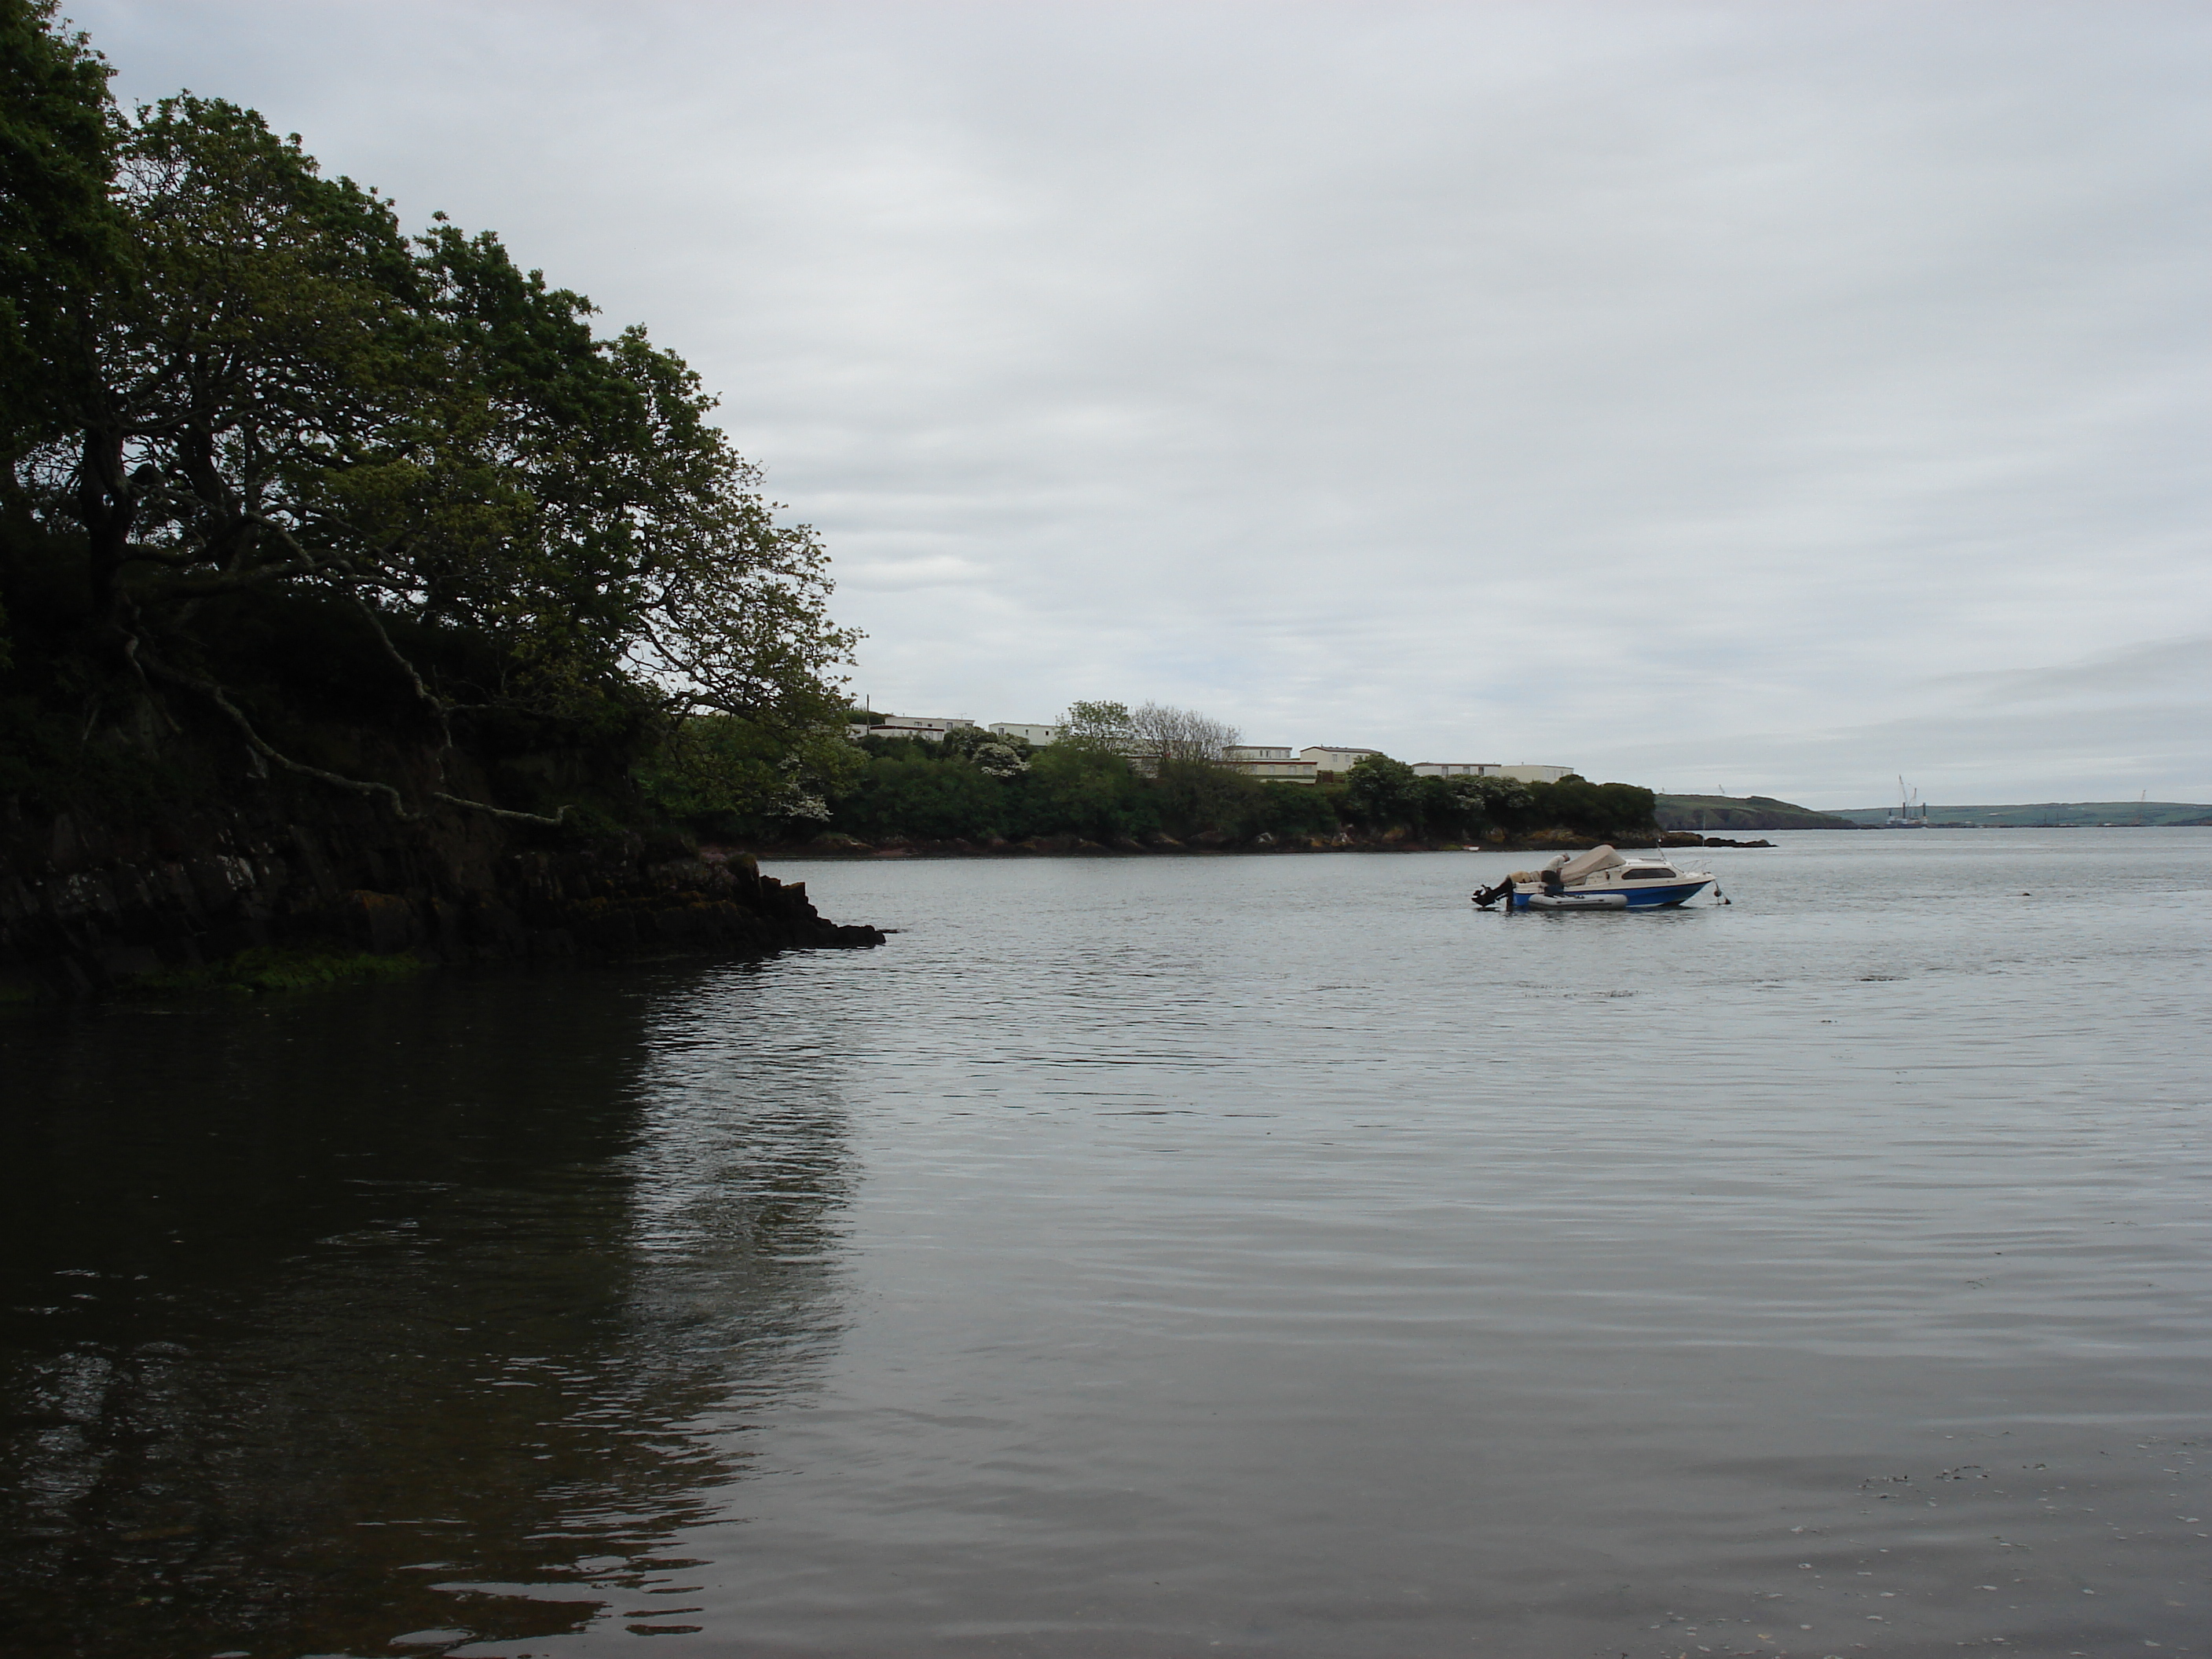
x=1066, y=847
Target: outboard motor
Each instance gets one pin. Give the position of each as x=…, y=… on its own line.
x=1490, y=896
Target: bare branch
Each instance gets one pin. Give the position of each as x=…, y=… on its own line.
x=261, y=746
x=501, y=811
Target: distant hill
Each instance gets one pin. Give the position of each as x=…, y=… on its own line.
x=1743, y=812
x=2048, y=815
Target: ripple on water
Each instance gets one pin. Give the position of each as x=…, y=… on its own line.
x=1134, y=1256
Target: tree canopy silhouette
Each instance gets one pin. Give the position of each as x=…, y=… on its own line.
x=228, y=375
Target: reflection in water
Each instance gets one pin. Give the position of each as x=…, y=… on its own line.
x=332, y=1322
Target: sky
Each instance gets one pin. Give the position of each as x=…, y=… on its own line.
x=1752, y=396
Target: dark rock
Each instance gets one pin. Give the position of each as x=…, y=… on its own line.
x=86, y=905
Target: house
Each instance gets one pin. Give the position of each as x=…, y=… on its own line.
x=1035, y=736
x=927, y=729
x=1330, y=763
x=1269, y=763
x=1457, y=768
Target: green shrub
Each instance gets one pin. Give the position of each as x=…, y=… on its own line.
x=939, y=800
x=1074, y=789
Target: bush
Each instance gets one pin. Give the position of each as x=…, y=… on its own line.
x=1073, y=789
x=1382, y=793
x=938, y=799
x=1290, y=808
x=1601, y=809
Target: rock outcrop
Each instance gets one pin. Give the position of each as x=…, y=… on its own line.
x=91, y=901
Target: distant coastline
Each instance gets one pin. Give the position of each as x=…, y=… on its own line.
x=1726, y=814
x=2048, y=815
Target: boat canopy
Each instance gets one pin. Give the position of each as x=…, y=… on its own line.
x=1589, y=863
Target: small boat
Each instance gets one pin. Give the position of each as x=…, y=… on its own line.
x=1600, y=879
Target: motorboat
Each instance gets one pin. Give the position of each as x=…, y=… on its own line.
x=1600, y=879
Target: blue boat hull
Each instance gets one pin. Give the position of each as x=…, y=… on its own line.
x=1653, y=895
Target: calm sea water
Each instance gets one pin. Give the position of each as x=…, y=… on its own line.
x=1266, y=1255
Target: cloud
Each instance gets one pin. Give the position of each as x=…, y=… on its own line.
x=902, y=575
x=2114, y=724
x=1588, y=381
x=2180, y=669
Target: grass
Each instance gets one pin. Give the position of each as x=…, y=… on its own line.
x=266, y=970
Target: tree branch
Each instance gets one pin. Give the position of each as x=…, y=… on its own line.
x=501, y=811
x=438, y=707
x=261, y=746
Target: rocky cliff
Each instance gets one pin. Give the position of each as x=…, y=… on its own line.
x=219, y=855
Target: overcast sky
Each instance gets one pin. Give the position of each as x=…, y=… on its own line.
x=1770, y=396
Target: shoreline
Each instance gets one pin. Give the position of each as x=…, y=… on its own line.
x=851, y=851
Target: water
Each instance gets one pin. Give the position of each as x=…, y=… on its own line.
x=1260, y=1256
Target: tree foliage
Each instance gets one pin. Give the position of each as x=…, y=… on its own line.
x=59, y=243
x=1127, y=772
x=736, y=777
x=1097, y=725
x=1380, y=793
x=1080, y=789
x=1181, y=750
x=945, y=797
x=230, y=376
x=1169, y=736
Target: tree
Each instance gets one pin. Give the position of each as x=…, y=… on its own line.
x=999, y=760
x=1381, y=792
x=1507, y=801
x=729, y=776
x=1181, y=750
x=1169, y=736
x=1285, y=809
x=1602, y=810
x=1101, y=726
x=1446, y=810
x=994, y=754
x=285, y=399
x=941, y=799
x=60, y=242
x=1082, y=789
